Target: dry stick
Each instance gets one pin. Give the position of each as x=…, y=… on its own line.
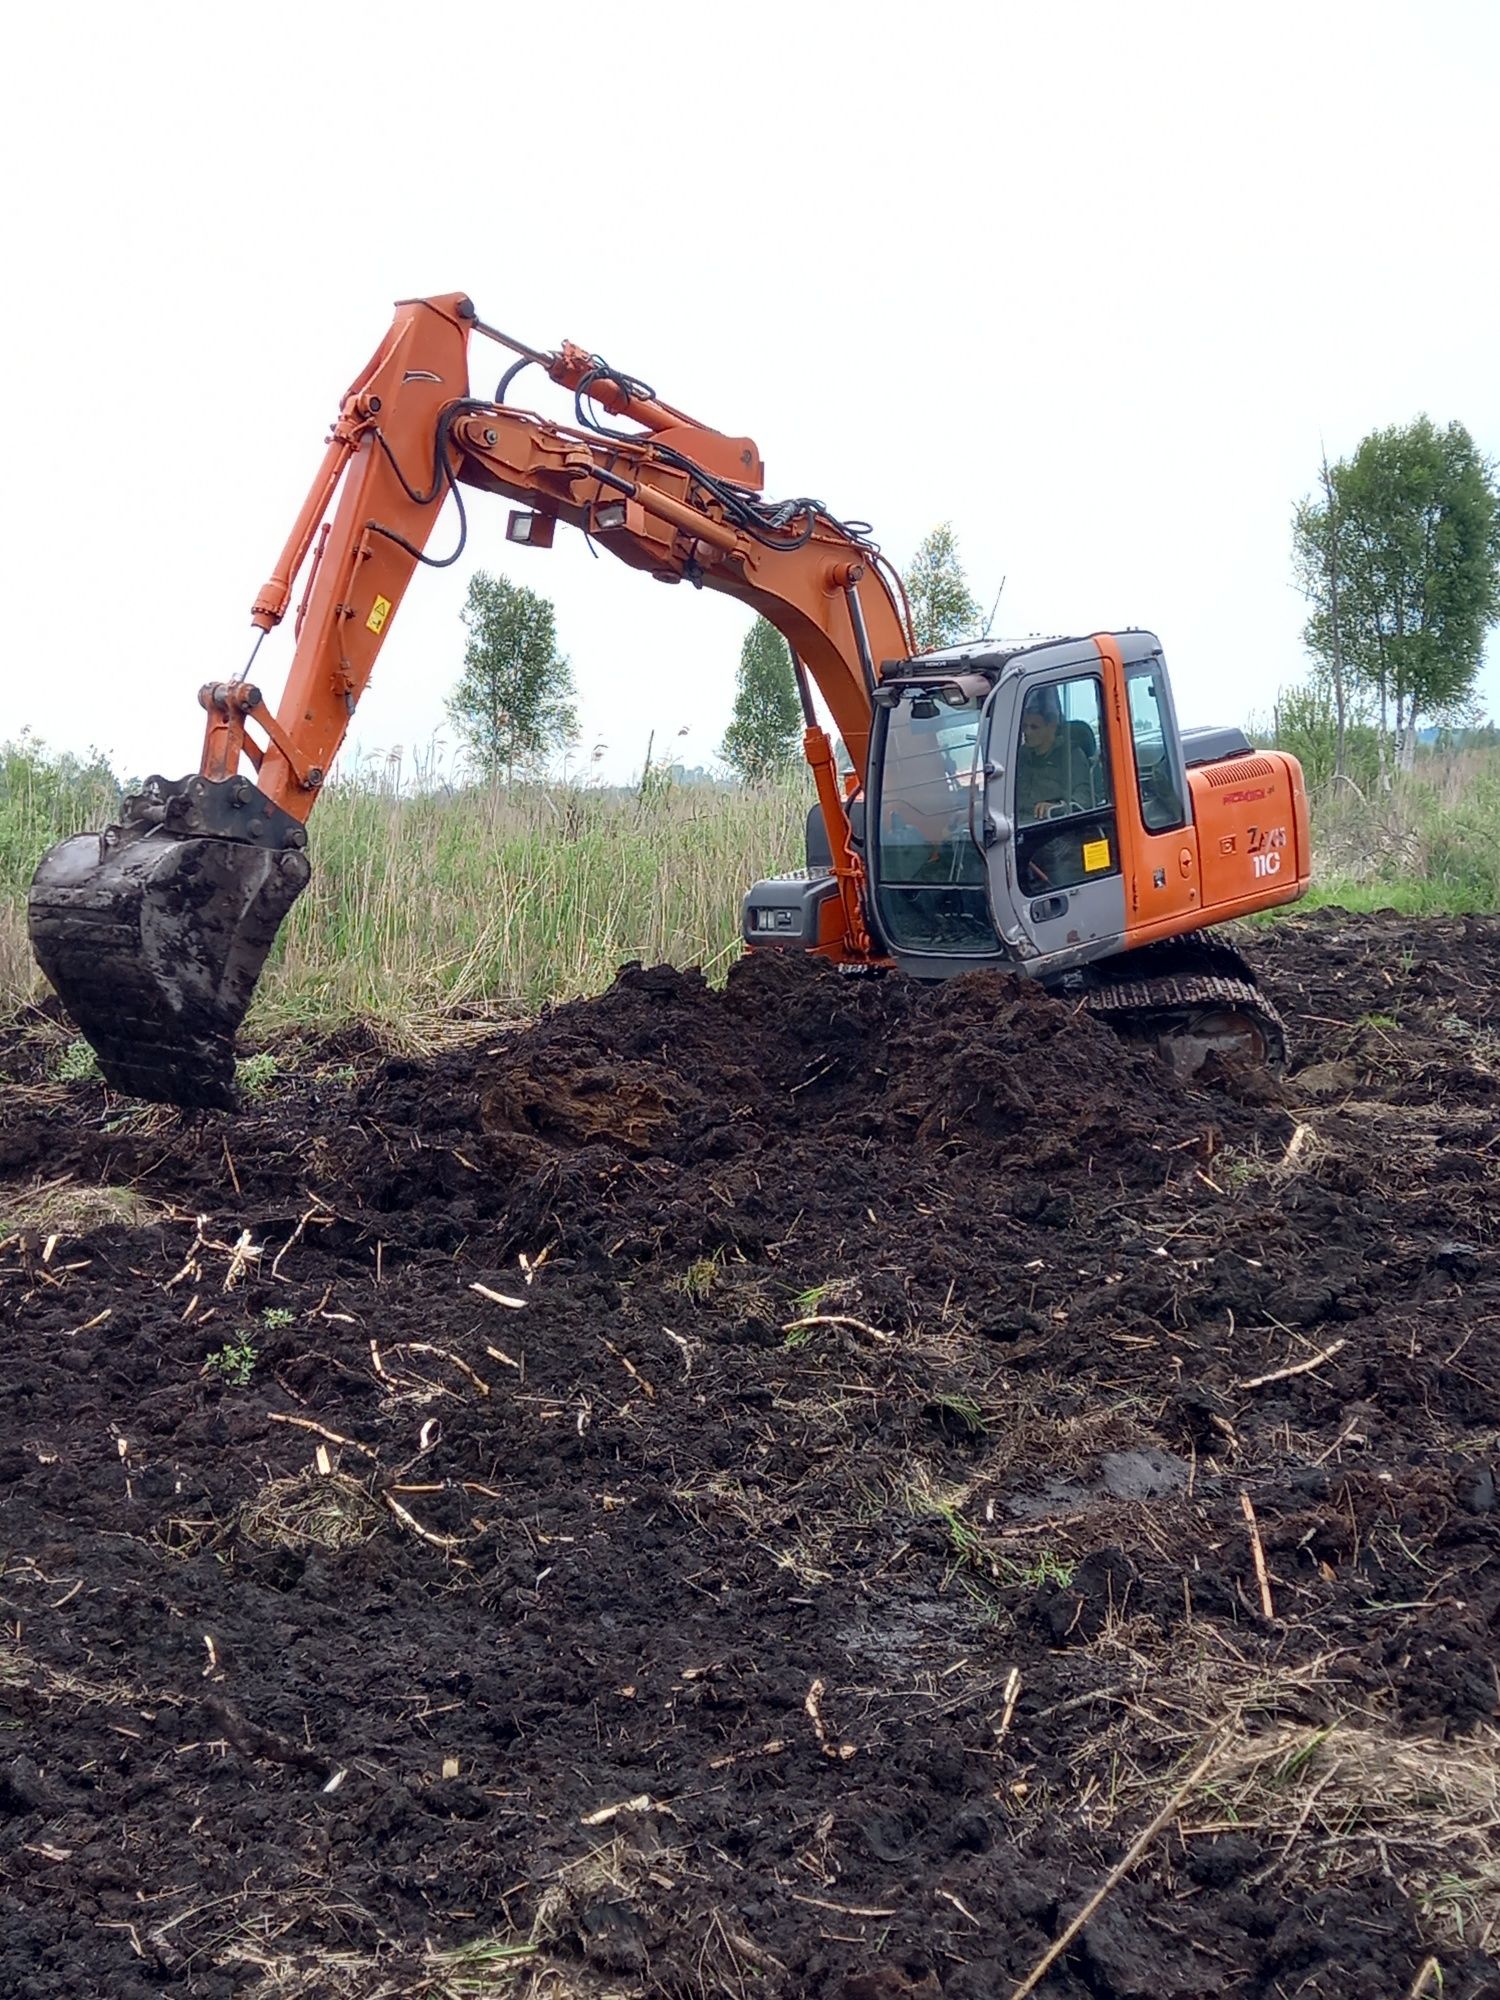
x=426, y=1347
x=772, y=1749
x=499, y=1298
x=1012, y=1696
x=89, y=1324
x=1295, y=1367
x=1257, y=1550
x=1115, y=1876
x=409, y=1520
x=838, y=1319
x=844, y=1909
x=632, y=1371
x=1428, y=1971
x=333, y=1437
x=297, y=1233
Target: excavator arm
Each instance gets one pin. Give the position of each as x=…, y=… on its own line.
x=155, y=932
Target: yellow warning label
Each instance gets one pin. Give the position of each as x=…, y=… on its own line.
x=380, y=610
x=1095, y=855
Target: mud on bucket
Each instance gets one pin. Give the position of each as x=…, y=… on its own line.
x=155, y=931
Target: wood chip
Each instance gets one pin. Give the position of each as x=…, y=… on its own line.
x=642, y=1802
x=812, y=1702
x=772, y=1749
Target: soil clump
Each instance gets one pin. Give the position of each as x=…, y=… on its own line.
x=765, y=1491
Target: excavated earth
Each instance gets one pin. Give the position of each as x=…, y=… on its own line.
x=759, y=1493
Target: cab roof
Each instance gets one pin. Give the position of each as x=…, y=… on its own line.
x=992, y=656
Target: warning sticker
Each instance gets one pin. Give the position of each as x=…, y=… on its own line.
x=1095, y=855
x=380, y=610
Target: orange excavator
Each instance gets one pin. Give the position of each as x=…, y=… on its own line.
x=1027, y=805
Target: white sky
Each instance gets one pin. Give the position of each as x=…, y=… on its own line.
x=1094, y=281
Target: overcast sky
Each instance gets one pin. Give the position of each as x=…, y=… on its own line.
x=1096, y=282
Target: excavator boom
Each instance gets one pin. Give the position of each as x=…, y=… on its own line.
x=155, y=932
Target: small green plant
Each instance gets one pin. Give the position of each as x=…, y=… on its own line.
x=256, y=1074
x=959, y=1415
x=1236, y=1169
x=1302, y=1755
x=700, y=1277
x=277, y=1316
x=1044, y=1568
x=77, y=1064
x=813, y=1297
x=1379, y=1021
x=234, y=1362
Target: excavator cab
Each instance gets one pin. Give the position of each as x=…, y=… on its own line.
x=1035, y=807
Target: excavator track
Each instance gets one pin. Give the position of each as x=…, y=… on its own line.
x=154, y=932
x=1196, y=1003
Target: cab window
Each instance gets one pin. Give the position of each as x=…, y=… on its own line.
x=1157, y=765
x=1063, y=797
x=931, y=892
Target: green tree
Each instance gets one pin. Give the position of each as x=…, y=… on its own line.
x=514, y=703
x=943, y=608
x=763, y=736
x=1400, y=561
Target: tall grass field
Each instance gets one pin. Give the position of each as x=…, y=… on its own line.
x=422, y=903
x=427, y=902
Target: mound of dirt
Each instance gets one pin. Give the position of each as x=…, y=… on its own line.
x=765, y=1490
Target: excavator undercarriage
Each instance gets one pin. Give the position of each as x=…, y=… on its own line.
x=1194, y=1001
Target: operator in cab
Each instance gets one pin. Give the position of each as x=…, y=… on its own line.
x=1045, y=777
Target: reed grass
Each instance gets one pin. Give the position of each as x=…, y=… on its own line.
x=428, y=902
x=425, y=902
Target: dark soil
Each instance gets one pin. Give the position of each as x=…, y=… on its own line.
x=835, y=1561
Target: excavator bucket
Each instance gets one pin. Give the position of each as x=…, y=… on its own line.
x=154, y=932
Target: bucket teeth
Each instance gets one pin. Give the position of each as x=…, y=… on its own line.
x=154, y=932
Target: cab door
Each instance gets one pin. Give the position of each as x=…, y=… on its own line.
x=1051, y=838
x=1159, y=842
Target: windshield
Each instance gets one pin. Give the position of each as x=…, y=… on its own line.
x=930, y=875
